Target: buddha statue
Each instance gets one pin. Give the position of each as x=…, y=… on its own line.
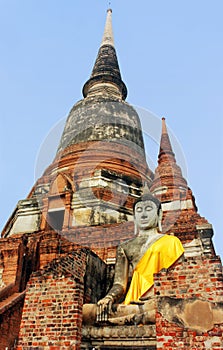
x=136, y=262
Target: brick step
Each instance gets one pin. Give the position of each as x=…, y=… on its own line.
x=11, y=301
x=6, y=291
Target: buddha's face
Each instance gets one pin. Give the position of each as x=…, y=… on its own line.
x=146, y=215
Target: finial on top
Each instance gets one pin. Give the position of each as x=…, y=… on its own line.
x=108, y=38
x=164, y=128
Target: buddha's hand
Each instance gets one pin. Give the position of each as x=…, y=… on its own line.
x=104, y=308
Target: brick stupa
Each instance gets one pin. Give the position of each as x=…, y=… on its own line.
x=58, y=248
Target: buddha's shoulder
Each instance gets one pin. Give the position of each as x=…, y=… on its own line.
x=135, y=241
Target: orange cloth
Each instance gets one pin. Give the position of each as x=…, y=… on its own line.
x=161, y=254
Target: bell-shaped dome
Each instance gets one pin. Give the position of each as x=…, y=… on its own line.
x=103, y=119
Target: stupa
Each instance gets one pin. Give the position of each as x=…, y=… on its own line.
x=58, y=248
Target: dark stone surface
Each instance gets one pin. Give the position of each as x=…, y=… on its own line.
x=102, y=119
x=106, y=70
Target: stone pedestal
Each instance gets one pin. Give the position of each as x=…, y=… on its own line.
x=119, y=337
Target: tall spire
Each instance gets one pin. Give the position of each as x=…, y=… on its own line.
x=106, y=77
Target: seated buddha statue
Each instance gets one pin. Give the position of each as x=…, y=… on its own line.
x=139, y=259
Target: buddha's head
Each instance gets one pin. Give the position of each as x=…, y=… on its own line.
x=147, y=213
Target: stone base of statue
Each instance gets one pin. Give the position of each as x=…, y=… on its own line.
x=125, y=327
x=141, y=337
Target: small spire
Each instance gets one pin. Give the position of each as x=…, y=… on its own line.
x=168, y=183
x=108, y=38
x=165, y=144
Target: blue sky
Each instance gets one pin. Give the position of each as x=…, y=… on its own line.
x=170, y=54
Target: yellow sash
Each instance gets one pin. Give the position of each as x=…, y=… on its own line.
x=161, y=254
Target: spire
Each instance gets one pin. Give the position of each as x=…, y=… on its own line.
x=168, y=174
x=179, y=208
x=106, y=77
x=165, y=145
x=108, y=38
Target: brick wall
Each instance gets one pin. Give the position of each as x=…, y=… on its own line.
x=94, y=279
x=103, y=240
x=11, y=256
x=9, y=325
x=52, y=314
x=200, y=278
